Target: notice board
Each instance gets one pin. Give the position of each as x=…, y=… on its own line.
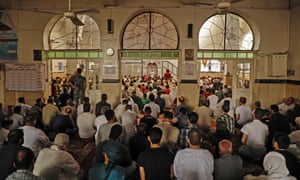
x=24, y=77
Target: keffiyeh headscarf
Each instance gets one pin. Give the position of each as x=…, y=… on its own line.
x=275, y=165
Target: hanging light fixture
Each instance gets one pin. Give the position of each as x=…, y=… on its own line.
x=204, y=62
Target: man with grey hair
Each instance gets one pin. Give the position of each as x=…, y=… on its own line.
x=228, y=166
x=55, y=162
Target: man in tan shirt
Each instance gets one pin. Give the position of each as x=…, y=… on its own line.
x=49, y=111
x=170, y=133
x=204, y=121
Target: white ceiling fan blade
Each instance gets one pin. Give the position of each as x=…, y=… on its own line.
x=76, y=21
x=95, y=11
x=39, y=11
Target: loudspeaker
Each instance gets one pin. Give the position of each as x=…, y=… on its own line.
x=190, y=31
x=110, y=25
x=37, y=55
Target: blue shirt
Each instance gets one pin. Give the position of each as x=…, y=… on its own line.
x=99, y=172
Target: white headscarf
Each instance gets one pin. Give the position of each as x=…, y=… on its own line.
x=275, y=165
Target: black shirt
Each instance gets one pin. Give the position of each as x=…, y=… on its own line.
x=7, y=156
x=61, y=123
x=157, y=163
x=137, y=144
x=100, y=105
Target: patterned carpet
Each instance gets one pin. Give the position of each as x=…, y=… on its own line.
x=83, y=151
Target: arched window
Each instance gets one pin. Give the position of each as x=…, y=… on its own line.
x=65, y=35
x=226, y=32
x=150, y=30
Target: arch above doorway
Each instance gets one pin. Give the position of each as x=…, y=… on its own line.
x=61, y=33
x=226, y=32
x=150, y=30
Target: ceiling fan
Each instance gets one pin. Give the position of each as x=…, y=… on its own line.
x=70, y=14
x=222, y=6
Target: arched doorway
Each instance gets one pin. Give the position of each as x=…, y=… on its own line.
x=226, y=42
x=69, y=47
x=149, y=47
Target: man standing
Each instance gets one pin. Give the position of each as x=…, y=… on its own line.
x=78, y=83
x=55, y=162
x=194, y=162
x=155, y=163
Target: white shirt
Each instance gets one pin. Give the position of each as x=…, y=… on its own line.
x=24, y=108
x=17, y=121
x=119, y=110
x=213, y=101
x=34, y=138
x=245, y=114
x=231, y=105
x=256, y=132
x=80, y=109
x=155, y=109
x=3, y=135
x=85, y=123
x=221, y=103
x=98, y=122
x=128, y=120
x=194, y=164
x=283, y=108
x=167, y=99
x=52, y=163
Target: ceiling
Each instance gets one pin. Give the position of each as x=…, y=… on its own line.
x=53, y=5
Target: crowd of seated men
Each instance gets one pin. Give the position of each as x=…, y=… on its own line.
x=149, y=136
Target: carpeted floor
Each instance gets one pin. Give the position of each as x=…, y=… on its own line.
x=83, y=151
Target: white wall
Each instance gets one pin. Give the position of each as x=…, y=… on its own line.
x=272, y=25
